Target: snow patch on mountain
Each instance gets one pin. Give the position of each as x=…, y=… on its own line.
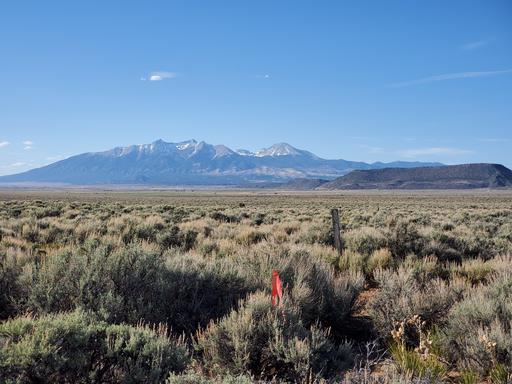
x=279, y=149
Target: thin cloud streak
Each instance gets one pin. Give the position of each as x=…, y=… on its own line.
x=433, y=151
x=159, y=76
x=372, y=150
x=54, y=158
x=28, y=144
x=494, y=140
x=451, y=76
x=15, y=165
x=474, y=45
x=4, y=144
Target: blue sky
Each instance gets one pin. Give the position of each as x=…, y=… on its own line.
x=359, y=80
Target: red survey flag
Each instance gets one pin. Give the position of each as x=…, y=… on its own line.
x=277, y=288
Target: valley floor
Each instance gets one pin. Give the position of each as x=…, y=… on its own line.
x=174, y=286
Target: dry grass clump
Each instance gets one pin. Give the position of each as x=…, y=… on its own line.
x=379, y=259
x=248, y=236
x=368, y=264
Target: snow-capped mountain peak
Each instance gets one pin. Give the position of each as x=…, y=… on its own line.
x=222, y=150
x=279, y=149
x=244, y=152
x=186, y=144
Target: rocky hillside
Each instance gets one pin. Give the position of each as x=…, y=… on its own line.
x=446, y=177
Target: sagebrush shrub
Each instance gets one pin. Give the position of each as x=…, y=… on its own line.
x=175, y=238
x=270, y=343
x=365, y=240
x=10, y=288
x=196, y=378
x=321, y=294
x=197, y=291
x=404, y=238
x=478, y=331
x=133, y=284
x=75, y=348
x=403, y=294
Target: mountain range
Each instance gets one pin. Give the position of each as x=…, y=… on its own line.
x=194, y=163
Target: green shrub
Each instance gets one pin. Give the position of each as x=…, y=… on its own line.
x=74, y=348
x=258, y=219
x=367, y=264
x=379, y=259
x=478, y=333
x=404, y=238
x=132, y=284
x=319, y=234
x=352, y=261
x=403, y=294
x=122, y=286
x=197, y=291
x=219, y=216
x=174, y=238
x=10, y=288
x=475, y=271
x=321, y=294
x=208, y=247
x=196, y=378
x=50, y=211
x=468, y=377
x=414, y=364
x=364, y=240
x=250, y=236
x=270, y=343
x=146, y=232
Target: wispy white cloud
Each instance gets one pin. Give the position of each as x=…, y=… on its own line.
x=471, y=46
x=4, y=144
x=54, y=158
x=451, y=76
x=494, y=140
x=372, y=149
x=264, y=76
x=28, y=144
x=365, y=138
x=18, y=164
x=159, y=76
x=433, y=151
x=15, y=165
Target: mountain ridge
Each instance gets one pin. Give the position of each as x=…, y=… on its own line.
x=193, y=162
x=462, y=176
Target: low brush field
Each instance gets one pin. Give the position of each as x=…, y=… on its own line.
x=174, y=287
